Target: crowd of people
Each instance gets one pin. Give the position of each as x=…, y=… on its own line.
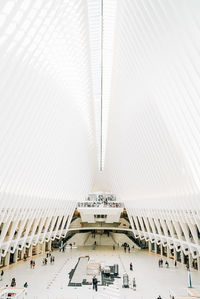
x=161, y=262
x=51, y=259
x=97, y=204
x=126, y=247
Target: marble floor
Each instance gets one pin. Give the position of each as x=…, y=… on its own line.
x=51, y=281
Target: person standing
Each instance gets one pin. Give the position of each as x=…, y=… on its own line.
x=93, y=279
x=95, y=284
x=175, y=263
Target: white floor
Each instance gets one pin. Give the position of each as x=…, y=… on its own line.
x=51, y=281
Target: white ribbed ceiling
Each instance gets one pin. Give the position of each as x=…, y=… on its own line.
x=91, y=84
x=153, y=140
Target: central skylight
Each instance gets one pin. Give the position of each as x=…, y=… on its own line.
x=101, y=16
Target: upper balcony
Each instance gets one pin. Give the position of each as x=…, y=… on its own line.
x=100, y=207
x=100, y=200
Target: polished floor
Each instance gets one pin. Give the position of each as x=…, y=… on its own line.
x=51, y=281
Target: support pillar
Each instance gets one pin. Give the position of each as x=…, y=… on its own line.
x=168, y=252
x=161, y=249
x=7, y=259
x=49, y=246
x=182, y=257
x=175, y=255
x=198, y=263
x=190, y=259
x=150, y=246
x=23, y=252
x=37, y=249
x=30, y=251
x=43, y=247
x=155, y=247
x=15, y=256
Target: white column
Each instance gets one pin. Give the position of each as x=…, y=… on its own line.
x=30, y=251
x=168, y=252
x=190, y=260
x=37, y=249
x=198, y=263
x=161, y=249
x=49, y=245
x=175, y=255
x=150, y=246
x=43, y=247
x=182, y=257
x=7, y=259
x=15, y=256
x=23, y=252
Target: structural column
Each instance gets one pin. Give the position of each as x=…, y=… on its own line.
x=182, y=257
x=49, y=246
x=30, y=251
x=168, y=252
x=175, y=254
x=23, y=252
x=37, y=249
x=15, y=256
x=43, y=247
x=190, y=259
x=150, y=246
x=7, y=259
x=161, y=249
x=198, y=264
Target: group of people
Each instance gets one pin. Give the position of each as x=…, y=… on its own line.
x=160, y=263
x=96, y=204
x=159, y=297
x=51, y=259
x=126, y=247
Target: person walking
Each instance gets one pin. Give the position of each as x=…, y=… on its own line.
x=175, y=263
x=13, y=282
x=159, y=263
x=134, y=284
x=129, y=249
x=131, y=266
x=26, y=286
x=2, y=274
